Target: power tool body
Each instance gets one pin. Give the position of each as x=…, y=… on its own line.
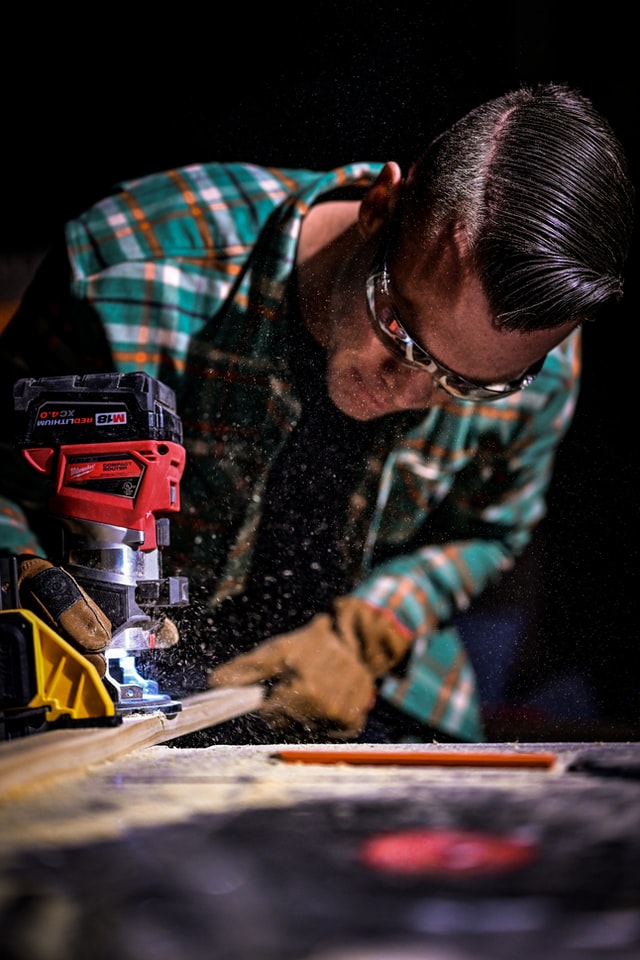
x=110, y=448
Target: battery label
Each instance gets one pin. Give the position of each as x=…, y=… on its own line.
x=110, y=418
x=79, y=415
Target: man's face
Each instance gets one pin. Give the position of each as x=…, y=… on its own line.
x=439, y=301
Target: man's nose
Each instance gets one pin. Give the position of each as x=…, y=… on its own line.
x=411, y=388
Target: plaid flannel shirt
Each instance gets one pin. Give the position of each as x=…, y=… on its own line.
x=188, y=271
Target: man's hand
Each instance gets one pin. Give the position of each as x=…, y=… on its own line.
x=53, y=594
x=322, y=675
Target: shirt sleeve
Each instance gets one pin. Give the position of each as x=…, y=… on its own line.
x=15, y=535
x=162, y=255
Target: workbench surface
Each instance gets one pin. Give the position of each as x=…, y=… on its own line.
x=232, y=852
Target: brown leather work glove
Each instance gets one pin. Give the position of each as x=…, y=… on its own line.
x=53, y=594
x=322, y=675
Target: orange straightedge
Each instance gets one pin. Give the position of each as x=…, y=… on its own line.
x=425, y=758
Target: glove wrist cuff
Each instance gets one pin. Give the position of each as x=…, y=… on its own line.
x=373, y=633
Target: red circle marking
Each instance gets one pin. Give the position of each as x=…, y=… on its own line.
x=446, y=852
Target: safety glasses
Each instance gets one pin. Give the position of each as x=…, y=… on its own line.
x=394, y=337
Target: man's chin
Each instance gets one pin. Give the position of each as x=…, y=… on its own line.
x=351, y=396
x=356, y=410
x=360, y=405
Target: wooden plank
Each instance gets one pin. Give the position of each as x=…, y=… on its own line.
x=30, y=761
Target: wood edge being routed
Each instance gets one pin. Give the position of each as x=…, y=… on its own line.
x=29, y=761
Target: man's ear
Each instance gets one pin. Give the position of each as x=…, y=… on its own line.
x=378, y=203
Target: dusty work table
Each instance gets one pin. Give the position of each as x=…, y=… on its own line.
x=232, y=852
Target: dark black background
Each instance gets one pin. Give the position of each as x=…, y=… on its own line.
x=88, y=103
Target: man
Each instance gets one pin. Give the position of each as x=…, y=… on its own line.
x=374, y=371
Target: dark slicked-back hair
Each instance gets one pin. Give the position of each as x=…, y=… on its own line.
x=538, y=181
